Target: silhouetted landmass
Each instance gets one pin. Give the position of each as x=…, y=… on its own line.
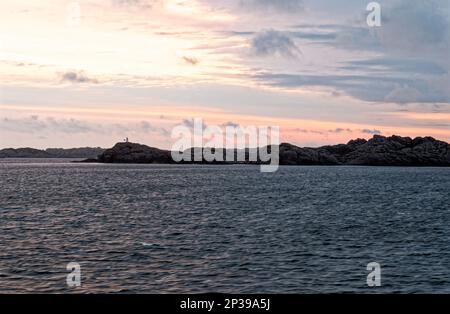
x=23, y=153
x=135, y=153
x=378, y=151
x=85, y=152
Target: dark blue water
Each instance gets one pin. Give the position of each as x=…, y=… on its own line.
x=167, y=229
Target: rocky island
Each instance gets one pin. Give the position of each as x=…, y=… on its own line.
x=135, y=153
x=377, y=151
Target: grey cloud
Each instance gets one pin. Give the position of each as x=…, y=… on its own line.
x=271, y=42
x=316, y=36
x=188, y=122
x=68, y=125
x=414, y=68
x=409, y=28
x=340, y=130
x=365, y=87
x=355, y=38
x=136, y=3
x=372, y=132
x=413, y=45
x=405, y=80
x=141, y=127
x=396, y=65
x=77, y=77
x=309, y=131
x=403, y=94
x=308, y=35
x=231, y=124
x=317, y=26
x=283, y=6
x=240, y=33
x=416, y=25
x=35, y=124
x=16, y=63
x=23, y=64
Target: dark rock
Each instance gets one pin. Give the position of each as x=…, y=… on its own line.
x=378, y=151
x=135, y=153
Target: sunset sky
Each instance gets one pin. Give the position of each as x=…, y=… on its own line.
x=92, y=72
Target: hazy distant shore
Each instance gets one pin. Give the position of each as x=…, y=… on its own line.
x=84, y=152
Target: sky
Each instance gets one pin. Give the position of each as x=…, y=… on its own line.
x=82, y=73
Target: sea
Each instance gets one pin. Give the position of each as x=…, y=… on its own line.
x=222, y=228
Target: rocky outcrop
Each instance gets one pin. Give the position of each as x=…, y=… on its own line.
x=293, y=155
x=378, y=151
x=135, y=153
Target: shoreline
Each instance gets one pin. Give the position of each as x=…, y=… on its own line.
x=394, y=151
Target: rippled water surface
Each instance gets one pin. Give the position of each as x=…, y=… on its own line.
x=168, y=228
